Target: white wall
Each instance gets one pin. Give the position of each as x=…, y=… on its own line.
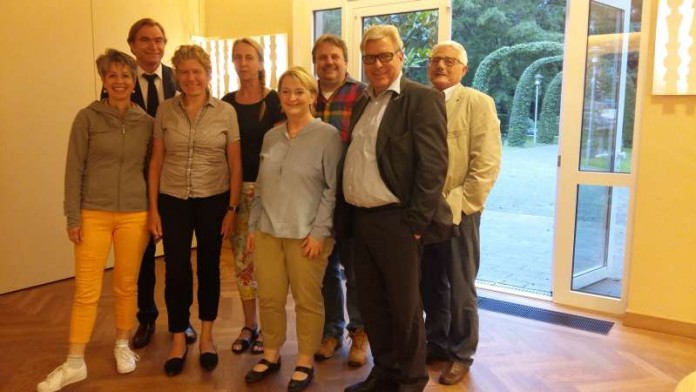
x=46, y=76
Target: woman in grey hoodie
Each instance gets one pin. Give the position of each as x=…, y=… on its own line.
x=105, y=203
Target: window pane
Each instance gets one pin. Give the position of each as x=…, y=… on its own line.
x=610, y=89
x=600, y=238
x=418, y=30
x=327, y=22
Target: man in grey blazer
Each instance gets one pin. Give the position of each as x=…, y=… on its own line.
x=450, y=267
x=154, y=84
x=393, y=176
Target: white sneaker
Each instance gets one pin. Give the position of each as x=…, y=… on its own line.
x=125, y=359
x=62, y=376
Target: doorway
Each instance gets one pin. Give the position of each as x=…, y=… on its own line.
x=563, y=76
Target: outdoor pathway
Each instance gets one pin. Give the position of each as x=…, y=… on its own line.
x=517, y=225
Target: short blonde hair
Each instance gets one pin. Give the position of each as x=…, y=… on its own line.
x=304, y=78
x=113, y=56
x=192, y=52
x=461, y=52
x=382, y=31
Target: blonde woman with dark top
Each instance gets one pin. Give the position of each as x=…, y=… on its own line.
x=290, y=226
x=258, y=110
x=194, y=186
x=105, y=204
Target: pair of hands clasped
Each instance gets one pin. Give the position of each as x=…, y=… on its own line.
x=311, y=247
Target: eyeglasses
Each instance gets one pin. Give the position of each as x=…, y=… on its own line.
x=385, y=57
x=449, y=61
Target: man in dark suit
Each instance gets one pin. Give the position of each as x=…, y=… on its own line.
x=393, y=176
x=154, y=84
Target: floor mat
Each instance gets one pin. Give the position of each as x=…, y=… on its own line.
x=547, y=316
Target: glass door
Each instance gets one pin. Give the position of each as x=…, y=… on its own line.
x=421, y=25
x=595, y=176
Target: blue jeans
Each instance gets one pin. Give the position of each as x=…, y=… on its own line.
x=332, y=290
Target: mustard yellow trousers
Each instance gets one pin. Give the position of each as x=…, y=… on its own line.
x=280, y=265
x=127, y=231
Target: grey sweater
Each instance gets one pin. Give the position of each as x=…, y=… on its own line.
x=106, y=161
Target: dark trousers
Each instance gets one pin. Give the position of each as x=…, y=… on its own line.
x=180, y=218
x=387, y=270
x=449, y=292
x=147, y=309
x=332, y=291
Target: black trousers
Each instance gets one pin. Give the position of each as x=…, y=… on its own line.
x=387, y=272
x=180, y=218
x=449, y=292
x=147, y=309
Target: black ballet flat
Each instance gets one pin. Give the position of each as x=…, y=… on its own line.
x=301, y=385
x=175, y=365
x=208, y=361
x=253, y=376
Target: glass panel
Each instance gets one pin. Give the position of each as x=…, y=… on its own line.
x=514, y=51
x=418, y=30
x=327, y=22
x=610, y=90
x=600, y=236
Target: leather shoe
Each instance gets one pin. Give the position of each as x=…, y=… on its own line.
x=143, y=334
x=373, y=384
x=175, y=365
x=301, y=385
x=327, y=349
x=191, y=335
x=253, y=376
x=208, y=361
x=357, y=356
x=454, y=373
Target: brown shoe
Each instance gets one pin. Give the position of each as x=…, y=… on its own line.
x=327, y=349
x=454, y=373
x=358, y=348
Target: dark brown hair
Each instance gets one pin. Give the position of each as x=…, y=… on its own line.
x=142, y=23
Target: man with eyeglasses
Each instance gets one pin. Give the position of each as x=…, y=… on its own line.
x=450, y=267
x=393, y=177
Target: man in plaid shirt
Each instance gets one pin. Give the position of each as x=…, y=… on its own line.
x=338, y=92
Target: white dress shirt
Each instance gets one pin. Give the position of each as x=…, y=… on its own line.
x=362, y=183
x=158, y=83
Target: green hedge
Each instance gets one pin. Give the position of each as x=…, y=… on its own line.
x=524, y=97
x=550, y=111
x=495, y=60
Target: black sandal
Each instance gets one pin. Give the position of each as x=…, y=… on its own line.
x=257, y=346
x=244, y=344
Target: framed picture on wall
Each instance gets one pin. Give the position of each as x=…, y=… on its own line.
x=675, y=48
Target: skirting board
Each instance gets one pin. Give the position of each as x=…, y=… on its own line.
x=672, y=327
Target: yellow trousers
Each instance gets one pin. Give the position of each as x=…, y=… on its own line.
x=279, y=264
x=128, y=233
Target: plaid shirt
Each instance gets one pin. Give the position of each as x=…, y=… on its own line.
x=338, y=108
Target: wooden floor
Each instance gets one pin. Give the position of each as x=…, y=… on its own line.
x=514, y=354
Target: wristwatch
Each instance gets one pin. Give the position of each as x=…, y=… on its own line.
x=234, y=209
